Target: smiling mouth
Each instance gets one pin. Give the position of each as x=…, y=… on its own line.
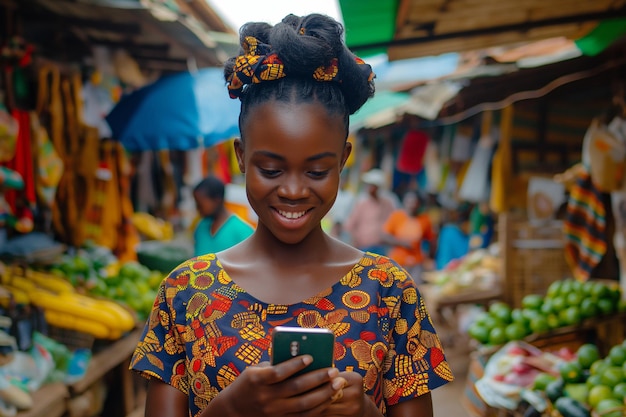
x=291, y=214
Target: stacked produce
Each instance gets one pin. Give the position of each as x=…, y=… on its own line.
x=97, y=274
x=65, y=308
x=566, y=303
x=587, y=384
x=477, y=270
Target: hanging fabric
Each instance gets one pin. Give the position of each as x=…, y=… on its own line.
x=584, y=227
x=49, y=163
x=501, y=165
x=475, y=185
x=412, y=150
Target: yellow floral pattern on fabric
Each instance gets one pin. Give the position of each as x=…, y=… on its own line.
x=204, y=331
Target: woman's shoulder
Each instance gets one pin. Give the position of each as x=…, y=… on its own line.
x=203, y=265
x=384, y=269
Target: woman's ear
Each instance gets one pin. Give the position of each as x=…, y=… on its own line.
x=347, y=149
x=239, y=152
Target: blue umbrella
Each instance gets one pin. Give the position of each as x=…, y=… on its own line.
x=181, y=111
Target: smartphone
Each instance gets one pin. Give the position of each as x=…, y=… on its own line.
x=289, y=342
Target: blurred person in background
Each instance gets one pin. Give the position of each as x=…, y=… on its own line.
x=453, y=241
x=406, y=230
x=365, y=223
x=218, y=227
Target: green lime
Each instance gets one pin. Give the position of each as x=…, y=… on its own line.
x=479, y=332
x=570, y=316
x=517, y=316
x=587, y=354
x=571, y=372
x=599, y=291
x=605, y=306
x=598, y=367
x=559, y=303
x=515, y=331
x=497, y=336
x=617, y=355
x=532, y=301
x=547, y=307
x=593, y=380
x=588, y=308
x=554, y=289
x=553, y=321
x=579, y=392
x=610, y=407
x=619, y=391
x=574, y=299
x=542, y=380
x=587, y=288
x=501, y=311
x=597, y=394
x=539, y=325
x=611, y=376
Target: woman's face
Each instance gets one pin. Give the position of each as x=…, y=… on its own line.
x=292, y=156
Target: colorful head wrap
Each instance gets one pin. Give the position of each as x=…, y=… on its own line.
x=259, y=63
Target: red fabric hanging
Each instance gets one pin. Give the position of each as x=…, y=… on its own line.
x=412, y=150
x=22, y=162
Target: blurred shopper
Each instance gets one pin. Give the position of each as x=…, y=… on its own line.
x=481, y=226
x=453, y=241
x=218, y=228
x=369, y=214
x=406, y=230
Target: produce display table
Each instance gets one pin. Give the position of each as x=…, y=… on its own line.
x=444, y=307
x=110, y=363
x=49, y=401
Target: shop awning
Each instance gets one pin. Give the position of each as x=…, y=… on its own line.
x=413, y=28
x=165, y=36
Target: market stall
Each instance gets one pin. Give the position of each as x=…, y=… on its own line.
x=73, y=293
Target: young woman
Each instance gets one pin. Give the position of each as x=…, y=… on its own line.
x=206, y=345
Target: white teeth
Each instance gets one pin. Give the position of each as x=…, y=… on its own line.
x=292, y=215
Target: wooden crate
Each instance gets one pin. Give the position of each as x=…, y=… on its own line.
x=533, y=256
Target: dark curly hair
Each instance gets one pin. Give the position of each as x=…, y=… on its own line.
x=303, y=44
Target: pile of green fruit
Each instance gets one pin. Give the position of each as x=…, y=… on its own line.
x=95, y=271
x=588, y=384
x=566, y=303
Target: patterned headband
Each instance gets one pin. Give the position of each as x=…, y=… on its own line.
x=259, y=64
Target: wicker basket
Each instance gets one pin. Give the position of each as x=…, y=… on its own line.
x=72, y=339
x=533, y=257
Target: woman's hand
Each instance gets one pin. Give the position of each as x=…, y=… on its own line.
x=350, y=400
x=266, y=390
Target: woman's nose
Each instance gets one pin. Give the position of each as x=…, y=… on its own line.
x=293, y=187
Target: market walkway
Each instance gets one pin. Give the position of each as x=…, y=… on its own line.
x=447, y=399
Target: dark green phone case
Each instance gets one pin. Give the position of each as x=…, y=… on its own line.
x=289, y=342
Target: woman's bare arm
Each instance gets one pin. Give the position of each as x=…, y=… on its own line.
x=163, y=400
x=421, y=406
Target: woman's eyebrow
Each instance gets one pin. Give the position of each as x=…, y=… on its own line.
x=279, y=157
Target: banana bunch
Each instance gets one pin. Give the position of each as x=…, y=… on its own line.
x=64, y=308
x=152, y=227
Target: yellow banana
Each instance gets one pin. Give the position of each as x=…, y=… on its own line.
x=73, y=322
x=50, y=282
x=69, y=304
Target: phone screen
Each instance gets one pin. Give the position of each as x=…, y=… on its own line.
x=289, y=342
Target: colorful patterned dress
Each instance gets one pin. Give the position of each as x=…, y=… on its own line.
x=204, y=330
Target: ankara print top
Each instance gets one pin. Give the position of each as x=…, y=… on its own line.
x=204, y=330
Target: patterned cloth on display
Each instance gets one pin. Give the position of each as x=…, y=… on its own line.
x=584, y=227
x=205, y=330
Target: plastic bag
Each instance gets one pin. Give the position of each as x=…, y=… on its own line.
x=607, y=158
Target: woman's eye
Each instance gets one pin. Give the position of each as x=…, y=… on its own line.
x=318, y=174
x=269, y=172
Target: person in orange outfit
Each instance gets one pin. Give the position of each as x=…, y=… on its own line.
x=406, y=230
